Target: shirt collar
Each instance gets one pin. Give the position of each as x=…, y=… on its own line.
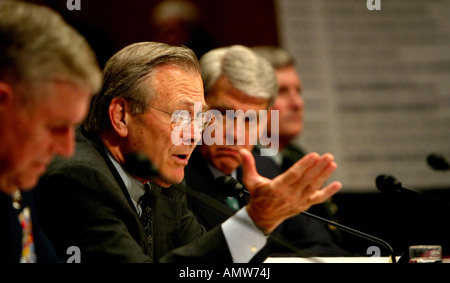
x=134, y=187
x=217, y=173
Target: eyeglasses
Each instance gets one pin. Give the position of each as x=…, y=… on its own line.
x=181, y=119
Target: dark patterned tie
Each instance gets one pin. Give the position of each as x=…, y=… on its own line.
x=146, y=216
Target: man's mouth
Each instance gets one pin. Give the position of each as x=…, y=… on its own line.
x=182, y=159
x=227, y=151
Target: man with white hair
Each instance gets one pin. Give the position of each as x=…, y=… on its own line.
x=241, y=86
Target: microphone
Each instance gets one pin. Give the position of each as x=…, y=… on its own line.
x=390, y=185
x=438, y=162
x=230, y=185
x=139, y=165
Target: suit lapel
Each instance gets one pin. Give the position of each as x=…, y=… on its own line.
x=98, y=145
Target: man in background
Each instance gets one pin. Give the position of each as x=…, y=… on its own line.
x=236, y=79
x=290, y=106
x=178, y=22
x=48, y=73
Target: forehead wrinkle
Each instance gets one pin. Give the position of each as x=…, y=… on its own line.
x=182, y=89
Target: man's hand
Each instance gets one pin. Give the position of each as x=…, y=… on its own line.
x=294, y=191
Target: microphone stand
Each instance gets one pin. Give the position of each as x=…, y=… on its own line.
x=232, y=187
x=390, y=185
x=205, y=200
x=354, y=232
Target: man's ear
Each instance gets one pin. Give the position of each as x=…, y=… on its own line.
x=119, y=116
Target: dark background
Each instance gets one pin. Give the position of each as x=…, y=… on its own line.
x=110, y=25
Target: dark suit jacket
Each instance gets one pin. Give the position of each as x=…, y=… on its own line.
x=304, y=233
x=11, y=231
x=86, y=204
x=291, y=154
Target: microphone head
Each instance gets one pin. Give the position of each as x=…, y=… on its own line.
x=229, y=186
x=388, y=184
x=139, y=165
x=438, y=162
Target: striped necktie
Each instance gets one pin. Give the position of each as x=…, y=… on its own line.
x=145, y=202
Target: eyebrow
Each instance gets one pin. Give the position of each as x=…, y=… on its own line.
x=223, y=107
x=227, y=107
x=190, y=104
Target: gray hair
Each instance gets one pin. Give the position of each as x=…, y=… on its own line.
x=246, y=71
x=37, y=46
x=128, y=75
x=277, y=56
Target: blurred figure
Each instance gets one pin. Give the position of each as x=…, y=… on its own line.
x=289, y=103
x=177, y=22
x=290, y=106
x=48, y=73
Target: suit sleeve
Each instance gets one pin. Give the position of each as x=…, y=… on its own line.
x=78, y=212
x=77, y=215
x=210, y=248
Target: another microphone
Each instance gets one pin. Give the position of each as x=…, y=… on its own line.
x=139, y=165
x=390, y=185
x=438, y=162
x=230, y=185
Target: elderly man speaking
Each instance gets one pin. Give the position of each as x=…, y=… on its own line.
x=93, y=202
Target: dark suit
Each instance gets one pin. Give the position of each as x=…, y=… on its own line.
x=290, y=155
x=86, y=204
x=11, y=235
x=301, y=231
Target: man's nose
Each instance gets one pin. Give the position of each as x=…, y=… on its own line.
x=296, y=100
x=64, y=145
x=192, y=134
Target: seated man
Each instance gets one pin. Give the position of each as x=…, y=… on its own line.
x=48, y=74
x=113, y=214
x=235, y=78
x=290, y=106
x=289, y=103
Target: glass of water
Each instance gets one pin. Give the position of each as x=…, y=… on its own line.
x=425, y=254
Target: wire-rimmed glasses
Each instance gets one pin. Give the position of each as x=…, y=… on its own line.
x=181, y=119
